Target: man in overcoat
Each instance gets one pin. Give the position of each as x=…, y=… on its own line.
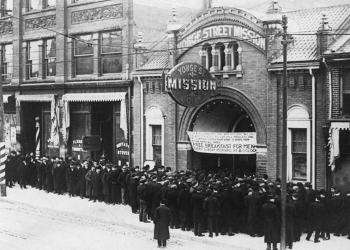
x=252, y=203
x=211, y=209
x=315, y=219
x=172, y=203
x=271, y=223
x=59, y=178
x=184, y=203
x=72, y=178
x=198, y=212
x=161, y=222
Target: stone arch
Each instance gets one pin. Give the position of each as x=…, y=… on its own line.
x=230, y=94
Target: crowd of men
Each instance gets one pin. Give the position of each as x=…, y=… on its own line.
x=224, y=201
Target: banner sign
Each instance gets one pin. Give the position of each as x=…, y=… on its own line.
x=190, y=84
x=223, y=143
x=222, y=30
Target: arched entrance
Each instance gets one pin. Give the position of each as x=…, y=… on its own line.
x=230, y=111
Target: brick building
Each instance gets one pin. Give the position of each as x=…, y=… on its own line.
x=244, y=54
x=68, y=64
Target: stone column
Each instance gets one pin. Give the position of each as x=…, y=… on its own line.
x=215, y=56
x=41, y=73
x=63, y=53
x=70, y=55
x=228, y=58
x=25, y=66
x=97, y=59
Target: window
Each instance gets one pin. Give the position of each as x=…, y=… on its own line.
x=111, y=52
x=299, y=144
x=40, y=4
x=7, y=5
x=51, y=3
x=35, y=5
x=157, y=144
x=345, y=87
x=220, y=50
x=299, y=154
x=33, y=58
x=234, y=56
x=207, y=57
x=50, y=57
x=7, y=62
x=83, y=53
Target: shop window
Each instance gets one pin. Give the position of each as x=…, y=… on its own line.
x=50, y=57
x=155, y=136
x=33, y=58
x=111, y=52
x=83, y=55
x=6, y=5
x=299, y=144
x=299, y=154
x=7, y=62
x=345, y=96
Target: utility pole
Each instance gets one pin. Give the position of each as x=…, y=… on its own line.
x=3, y=156
x=284, y=133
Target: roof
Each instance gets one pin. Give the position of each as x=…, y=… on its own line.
x=301, y=23
x=158, y=57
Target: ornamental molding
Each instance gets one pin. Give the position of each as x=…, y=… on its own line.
x=97, y=14
x=40, y=22
x=6, y=27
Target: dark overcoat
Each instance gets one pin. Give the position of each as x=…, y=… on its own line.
x=290, y=218
x=197, y=204
x=271, y=223
x=105, y=183
x=71, y=179
x=97, y=184
x=316, y=216
x=184, y=202
x=252, y=203
x=161, y=222
x=59, y=177
x=155, y=198
x=211, y=206
x=133, y=201
x=49, y=177
x=336, y=208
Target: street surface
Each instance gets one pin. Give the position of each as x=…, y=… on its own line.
x=32, y=219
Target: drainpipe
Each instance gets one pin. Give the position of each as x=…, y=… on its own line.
x=313, y=129
x=141, y=122
x=329, y=88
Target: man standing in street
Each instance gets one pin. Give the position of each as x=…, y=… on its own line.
x=315, y=219
x=271, y=223
x=142, y=194
x=211, y=209
x=161, y=222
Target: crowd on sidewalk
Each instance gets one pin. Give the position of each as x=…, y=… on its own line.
x=224, y=201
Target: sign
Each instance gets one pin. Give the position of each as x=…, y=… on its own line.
x=223, y=143
x=190, y=84
x=122, y=148
x=91, y=142
x=223, y=31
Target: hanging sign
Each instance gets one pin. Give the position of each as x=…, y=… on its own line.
x=190, y=84
x=223, y=143
x=91, y=142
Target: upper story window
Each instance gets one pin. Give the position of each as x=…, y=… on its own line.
x=111, y=52
x=7, y=62
x=221, y=57
x=6, y=5
x=40, y=4
x=33, y=58
x=84, y=55
x=345, y=89
x=50, y=57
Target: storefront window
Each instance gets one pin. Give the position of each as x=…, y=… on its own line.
x=50, y=57
x=7, y=62
x=83, y=52
x=299, y=154
x=111, y=52
x=33, y=58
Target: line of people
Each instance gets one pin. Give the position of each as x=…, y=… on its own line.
x=224, y=202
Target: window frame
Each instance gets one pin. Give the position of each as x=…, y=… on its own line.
x=30, y=60
x=343, y=92
x=5, y=5
x=76, y=56
x=47, y=58
x=6, y=64
x=111, y=54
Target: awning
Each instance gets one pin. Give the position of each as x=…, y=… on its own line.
x=94, y=97
x=36, y=98
x=333, y=141
x=5, y=98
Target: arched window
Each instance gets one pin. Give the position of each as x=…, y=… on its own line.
x=299, y=144
x=220, y=52
x=207, y=57
x=234, y=56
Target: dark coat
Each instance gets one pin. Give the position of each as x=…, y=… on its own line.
x=197, y=204
x=88, y=179
x=271, y=223
x=122, y=180
x=163, y=192
x=184, y=203
x=252, y=203
x=211, y=206
x=97, y=184
x=316, y=216
x=142, y=192
x=336, y=207
x=23, y=170
x=49, y=176
x=290, y=218
x=227, y=205
x=133, y=199
x=171, y=200
x=71, y=179
x=161, y=222
x=59, y=177
x=106, y=183
x=155, y=198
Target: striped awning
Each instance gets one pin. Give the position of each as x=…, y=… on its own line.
x=36, y=98
x=94, y=97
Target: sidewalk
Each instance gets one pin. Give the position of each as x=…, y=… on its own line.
x=122, y=215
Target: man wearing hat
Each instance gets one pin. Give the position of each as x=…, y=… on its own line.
x=142, y=195
x=211, y=209
x=72, y=178
x=252, y=203
x=161, y=222
x=184, y=202
x=336, y=206
x=172, y=203
x=299, y=217
x=198, y=212
x=316, y=217
x=59, y=177
x=271, y=216
x=123, y=184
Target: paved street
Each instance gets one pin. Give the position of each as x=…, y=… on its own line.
x=32, y=219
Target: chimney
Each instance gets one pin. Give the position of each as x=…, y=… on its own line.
x=207, y=4
x=324, y=38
